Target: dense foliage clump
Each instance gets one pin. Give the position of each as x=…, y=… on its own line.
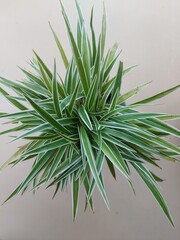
x=76, y=125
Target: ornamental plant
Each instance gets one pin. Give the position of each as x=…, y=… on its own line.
x=74, y=126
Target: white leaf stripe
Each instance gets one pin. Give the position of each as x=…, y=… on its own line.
x=91, y=161
x=47, y=116
x=84, y=117
x=114, y=156
x=55, y=93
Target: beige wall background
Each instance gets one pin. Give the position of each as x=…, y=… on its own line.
x=149, y=34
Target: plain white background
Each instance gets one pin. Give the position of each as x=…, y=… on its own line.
x=149, y=34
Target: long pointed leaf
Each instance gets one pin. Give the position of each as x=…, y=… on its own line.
x=75, y=196
x=157, y=96
x=55, y=93
x=47, y=116
x=91, y=161
x=156, y=194
x=84, y=117
x=76, y=53
x=61, y=50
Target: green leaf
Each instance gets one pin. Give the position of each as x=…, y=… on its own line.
x=131, y=93
x=103, y=31
x=116, y=124
x=109, y=67
x=96, y=71
x=136, y=116
x=91, y=161
x=56, y=161
x=169, y=117
x=129, y=138
x=84, y=117
x=56, y=190
x=63, y=171
x=61, y=50
x=75, y=196
x=118, y=80
x=86, y=186
x=33, y=78
x=15, y=192
x=115, y=157
x=41, y=137
x=114, y=101
x=112, y=153
x=93, y=35
x=67, y=170
x=14, y=129
x=19, y=88
x=99, y=165
x=86, y=54
x=2, y=114
x=111, y=168
x=12, y=100
x=116, y=142
x=112, y=54
x=46, y=116
x=80, y=16
x=36, y=169
x=157, y=96
x=70, y=78
x=92, y=95
x=164, y=127
x=76, y=54
x=146, y=156
x=160, y=142
x=13, y=157
x=157, y=179
x=106, y=94
x=73, y=98
x=45, y=78
x=38, y=90
x=129, y=69
x=110, y=114
x=155, y=192
x=40, y=128
x=46, y=69
x=66, y=101
x=55, y=93
x=24, y=113
x=49, y=146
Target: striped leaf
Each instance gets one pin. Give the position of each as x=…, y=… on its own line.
x=91, y=161
x=61, y=50
x=55, y=93
x=84, y=117
x=158, y=96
